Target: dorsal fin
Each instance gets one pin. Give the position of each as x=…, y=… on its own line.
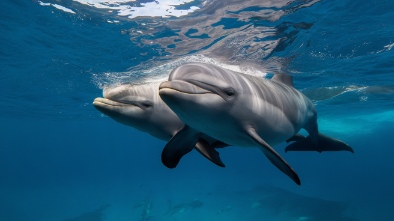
x=283, y=78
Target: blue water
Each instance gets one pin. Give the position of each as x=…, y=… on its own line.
x=60, y=159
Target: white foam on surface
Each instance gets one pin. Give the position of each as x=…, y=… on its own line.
x=159, y=8
x=160, y=73
x=59, y=7
x=63, y=8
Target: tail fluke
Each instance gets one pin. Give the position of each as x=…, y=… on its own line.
x=324, y=143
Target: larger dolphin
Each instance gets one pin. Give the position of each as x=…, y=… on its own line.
x=244, y=110
x=139, y=106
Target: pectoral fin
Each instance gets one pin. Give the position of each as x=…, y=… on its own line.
x=209, y=152
x=273, y=156
x=180, y=144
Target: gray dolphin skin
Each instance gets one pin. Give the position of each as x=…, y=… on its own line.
x=245, y=111
x=140, y=106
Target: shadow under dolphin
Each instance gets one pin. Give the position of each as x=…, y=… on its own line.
x=279, y=201
x=96, y=215
x=181, y=207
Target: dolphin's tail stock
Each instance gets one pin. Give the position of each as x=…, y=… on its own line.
x=324, y=143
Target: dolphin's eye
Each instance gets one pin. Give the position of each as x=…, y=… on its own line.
x=146, y=104
x=229, y=92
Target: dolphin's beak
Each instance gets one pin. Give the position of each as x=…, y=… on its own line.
x=106, y=102
x=181, y=86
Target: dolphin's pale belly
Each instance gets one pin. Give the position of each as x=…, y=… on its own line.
x=270, y=123
x=241, y=139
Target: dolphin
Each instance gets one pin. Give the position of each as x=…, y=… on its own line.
x=243, y=110
x=140, y=106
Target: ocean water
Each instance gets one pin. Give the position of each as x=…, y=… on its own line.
x=62, y=160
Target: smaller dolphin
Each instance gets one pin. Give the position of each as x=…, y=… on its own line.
x=244, y=110
x=140, y=106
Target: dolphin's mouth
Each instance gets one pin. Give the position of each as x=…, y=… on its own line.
x=107, y=102
x=191, y=86
x=184, y=87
